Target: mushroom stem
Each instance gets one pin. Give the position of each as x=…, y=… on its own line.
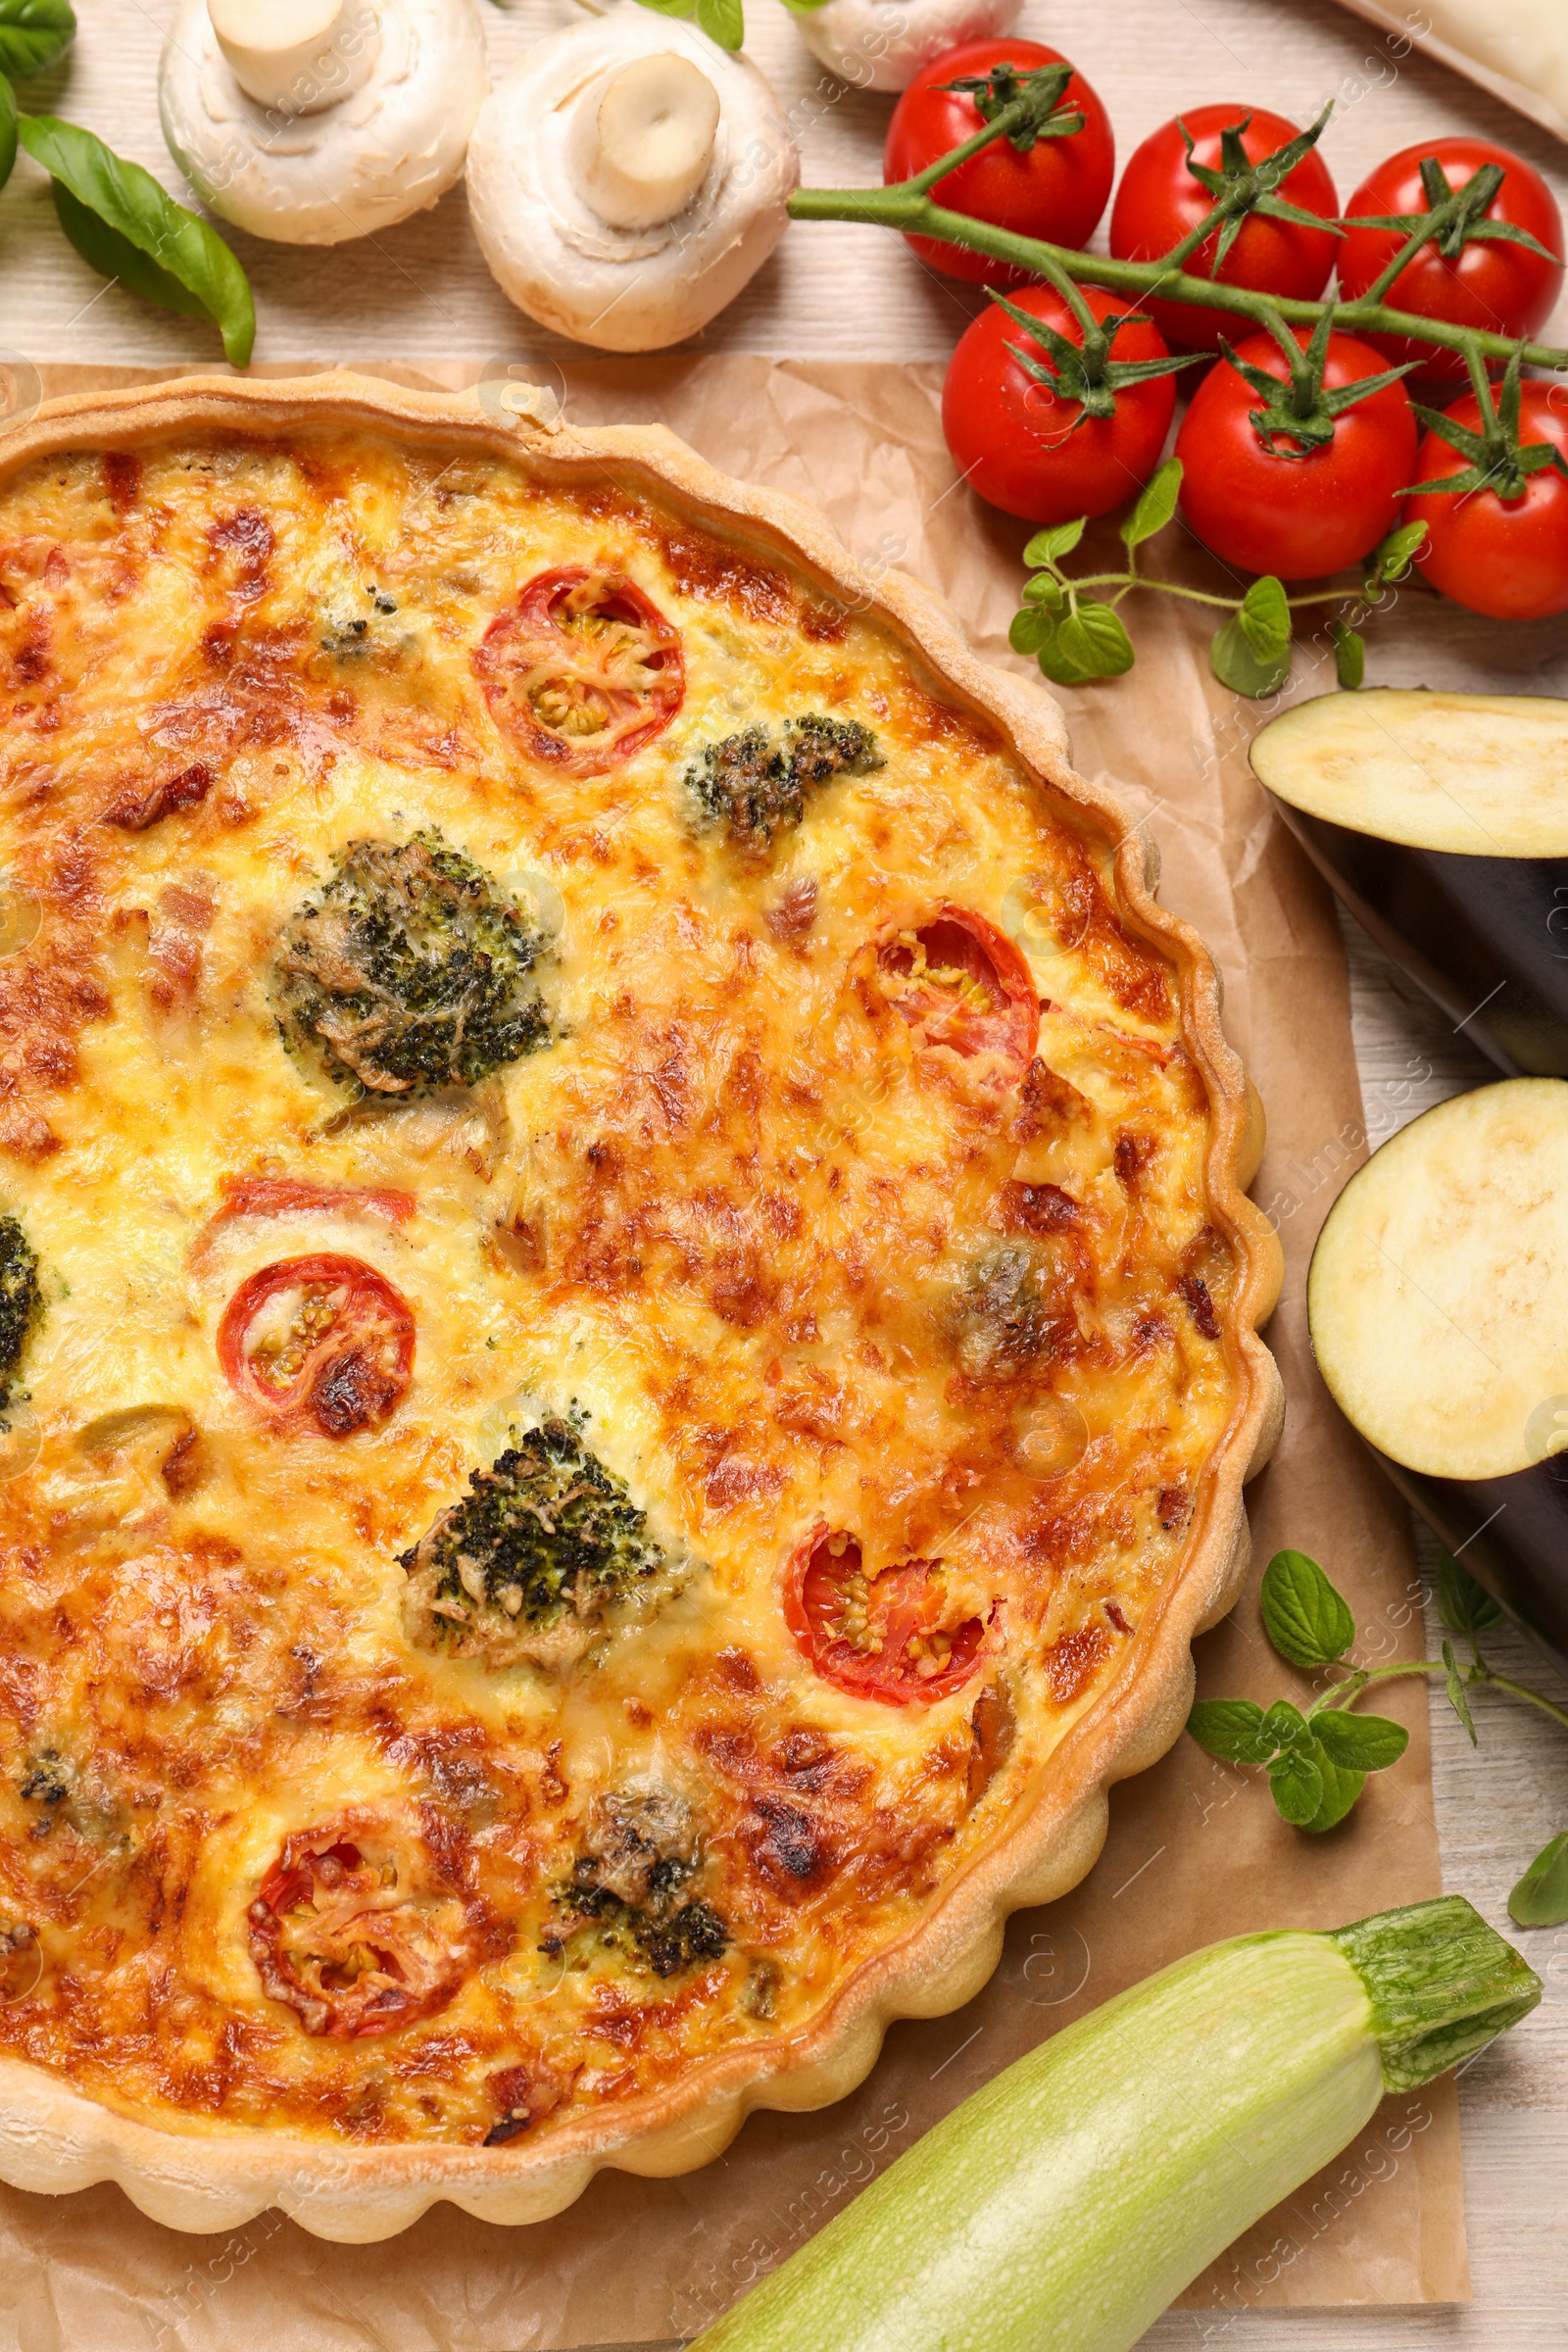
x=297, y=56
x=646, y=146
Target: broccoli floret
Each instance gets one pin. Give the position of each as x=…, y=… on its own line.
x=640, y=1850
x=532, y=1558
x=752, y=785
x=407, y=971
x=19, y=1300
x=1003, y=1320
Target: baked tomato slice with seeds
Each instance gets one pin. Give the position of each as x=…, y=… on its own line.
x=344, y=1932
x=892, y=1636
x=584, y=671
x=959, y=982
x=323, y=1342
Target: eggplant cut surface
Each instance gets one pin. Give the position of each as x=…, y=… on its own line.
x=1473, y=775
x=1441, y=820
x=1437, y=1295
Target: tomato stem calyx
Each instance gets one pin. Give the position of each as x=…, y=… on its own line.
x=1499, y=460
x=1084, y=372
x=1241, y=187
x=1021, y=107
x=1303, y=409
x=1454, y=217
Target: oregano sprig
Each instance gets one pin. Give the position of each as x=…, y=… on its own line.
x=1317, y=1760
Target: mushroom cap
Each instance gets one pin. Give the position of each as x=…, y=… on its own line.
x=389, y=149
x=883, y=44
x=622, y=289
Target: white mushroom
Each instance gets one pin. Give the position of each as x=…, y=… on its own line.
x=314, y=120
x=627, y=178
x=882, y=44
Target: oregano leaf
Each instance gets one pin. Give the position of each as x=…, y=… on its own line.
x=1157, y=504
x=1308, y=1622
x=1057, y=665
x=1049, y=546
x=1231, y=1729
x=1464, y=1606
x=1296, y=1781
x=1540, y=1897
x=1236, y=666
x=1341, y=1789
x=1459, y=1699
x=1361, y=1742
x=1029, y=628
x=1349, y=655
x=1094, y=638
x=1284, y=1727
x=1265, y=619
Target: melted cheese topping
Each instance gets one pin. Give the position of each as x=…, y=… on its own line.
x=797, y=1268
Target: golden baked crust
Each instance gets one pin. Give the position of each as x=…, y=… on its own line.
x=351, y=1853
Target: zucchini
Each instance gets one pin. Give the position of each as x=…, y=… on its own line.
x=1438, y=1301
x=1062, y=2207
x=1441, y=822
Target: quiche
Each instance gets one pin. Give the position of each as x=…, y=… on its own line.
x=627, y=1317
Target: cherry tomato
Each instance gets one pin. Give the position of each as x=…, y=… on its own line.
x=1296, y=514
x=1160, y=202
x=1034, y=454
x=353, y=1935
x=1488, y=283
x=960, y=983
x=1506, y=557
x=324, y=1341
x=585, y=670
x=877, y=1636
x=1058, y=190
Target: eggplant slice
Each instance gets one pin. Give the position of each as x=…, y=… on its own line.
x=1438, y=1301
x=1441, y=822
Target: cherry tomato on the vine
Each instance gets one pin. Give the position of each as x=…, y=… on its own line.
x=1057, y=191
x=1031, y=454
x=1160, y=201
x=1291, y=512
x=1507, y=557
x=1491, y=282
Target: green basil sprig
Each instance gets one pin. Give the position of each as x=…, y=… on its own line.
x=123, y=224
x=8, y=130
x=34, y=34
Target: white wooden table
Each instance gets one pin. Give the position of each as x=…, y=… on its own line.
x=423, y=292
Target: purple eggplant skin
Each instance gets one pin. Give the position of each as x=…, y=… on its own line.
x=1511, y=1534
x=1485, y=937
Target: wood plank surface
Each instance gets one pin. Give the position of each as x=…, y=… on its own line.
x=421, y=292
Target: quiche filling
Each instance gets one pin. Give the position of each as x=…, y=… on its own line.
x=604, y=1235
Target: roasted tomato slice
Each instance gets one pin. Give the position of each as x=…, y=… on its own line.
x=888, y=1637
x=584, y=671
x=348, y=1931
x=959, y=982
x=319, y=1341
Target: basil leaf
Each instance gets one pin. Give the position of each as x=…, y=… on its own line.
x=128, y=203
x=1094, y=638
x=724, y=22
x=1297, y=1782
x=33, y=35
x=1541, y=1898
x=1047, y=546
x=1462, y=1605
x=1349, y=655
x=1341, y=1789
x=1265, y=619
x=1361, y=1742
x=1307, y=1620
x=1236, y=666
x=1231, y=1729
x=8, y=131
x=1155, y=506
x=117, y=257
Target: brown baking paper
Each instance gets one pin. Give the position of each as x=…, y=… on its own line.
x=1196, y=1849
